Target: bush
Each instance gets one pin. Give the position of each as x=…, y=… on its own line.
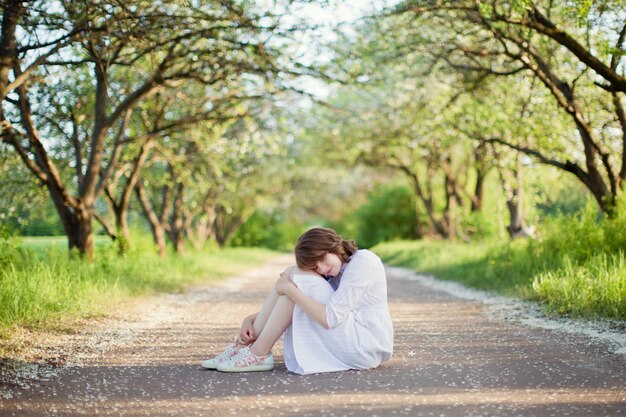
x=10, y=248
x=388, y=214
x=270, y=230
x=579, y=267
x=479, y=225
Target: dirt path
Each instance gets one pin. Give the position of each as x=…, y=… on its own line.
x=450, y=360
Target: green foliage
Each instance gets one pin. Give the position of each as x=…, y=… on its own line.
x=552, y=201
x=24, y=205
x=215, y=125
x=10, y=248
x=584, y=7
x=520, y=6
x=585, y=235
x=578, y=268
x=268, y=229
x=52, y=289
x=388, y=214
x=486, y=10
x=479, y=225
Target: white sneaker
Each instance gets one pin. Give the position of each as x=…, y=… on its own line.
x=212, y=363
x=246, y=361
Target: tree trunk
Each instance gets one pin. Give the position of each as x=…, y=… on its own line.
x=121, y=208
x=481, y=173
x=200, y=231
x=219, y=227
x=516, y=217
x=178, y=239
x=479, y=191
x=158, y=231
x=513, y=195
x=177, y=225
x=77, y=224
x=621, y=117
x=421, y=229
x=517, y=227
x=514, y=192
x=434, y=227
x=123, y=234
x=8, y=45
x=450, y=210
x=81, y=237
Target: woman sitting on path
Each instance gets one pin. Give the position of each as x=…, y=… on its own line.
x=332, y=308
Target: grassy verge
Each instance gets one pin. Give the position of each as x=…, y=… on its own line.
x=51, y=290
x=40, y=245
x=578, y=268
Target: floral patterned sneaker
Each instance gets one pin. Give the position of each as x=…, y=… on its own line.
x=246, y=361
x=230, y=351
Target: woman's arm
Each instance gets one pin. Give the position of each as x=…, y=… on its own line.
x=314, y=309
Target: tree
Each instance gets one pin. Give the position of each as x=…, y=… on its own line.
x=394, y=120
x=124, y=52
x=209, y=181
x=574, y=49
x=159, y=119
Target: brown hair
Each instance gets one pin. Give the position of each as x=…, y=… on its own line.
x=315, y=243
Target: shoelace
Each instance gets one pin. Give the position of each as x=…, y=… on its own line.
x=227, y=353
x=230, y=351
x=246, y=358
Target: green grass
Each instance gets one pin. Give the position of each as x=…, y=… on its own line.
x=597, y=288
x=45, y=287
x=504, y=267
x=578, y=268
x=41, y=244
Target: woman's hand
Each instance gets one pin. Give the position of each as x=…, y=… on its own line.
x=246, y=335
x=284, y=284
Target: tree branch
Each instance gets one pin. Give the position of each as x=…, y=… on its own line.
x=542, y=24
x=53, y=179
x=107, y=227
x=568, y=166
x=117, y=150
x=78, y=155
x=22, y=76
x=9, y=135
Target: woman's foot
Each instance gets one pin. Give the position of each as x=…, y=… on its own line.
x=246, y=361
x=230, y=351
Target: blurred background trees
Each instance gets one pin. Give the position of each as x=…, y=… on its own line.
x=243, y=123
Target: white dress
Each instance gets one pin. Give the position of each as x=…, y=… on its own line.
x=360, y=334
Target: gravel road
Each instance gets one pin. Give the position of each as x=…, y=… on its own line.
x=450, y=359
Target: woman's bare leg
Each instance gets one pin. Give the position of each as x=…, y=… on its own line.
x=277, y=322
x=268, y=306
x=264, y=313
x=273, y=319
